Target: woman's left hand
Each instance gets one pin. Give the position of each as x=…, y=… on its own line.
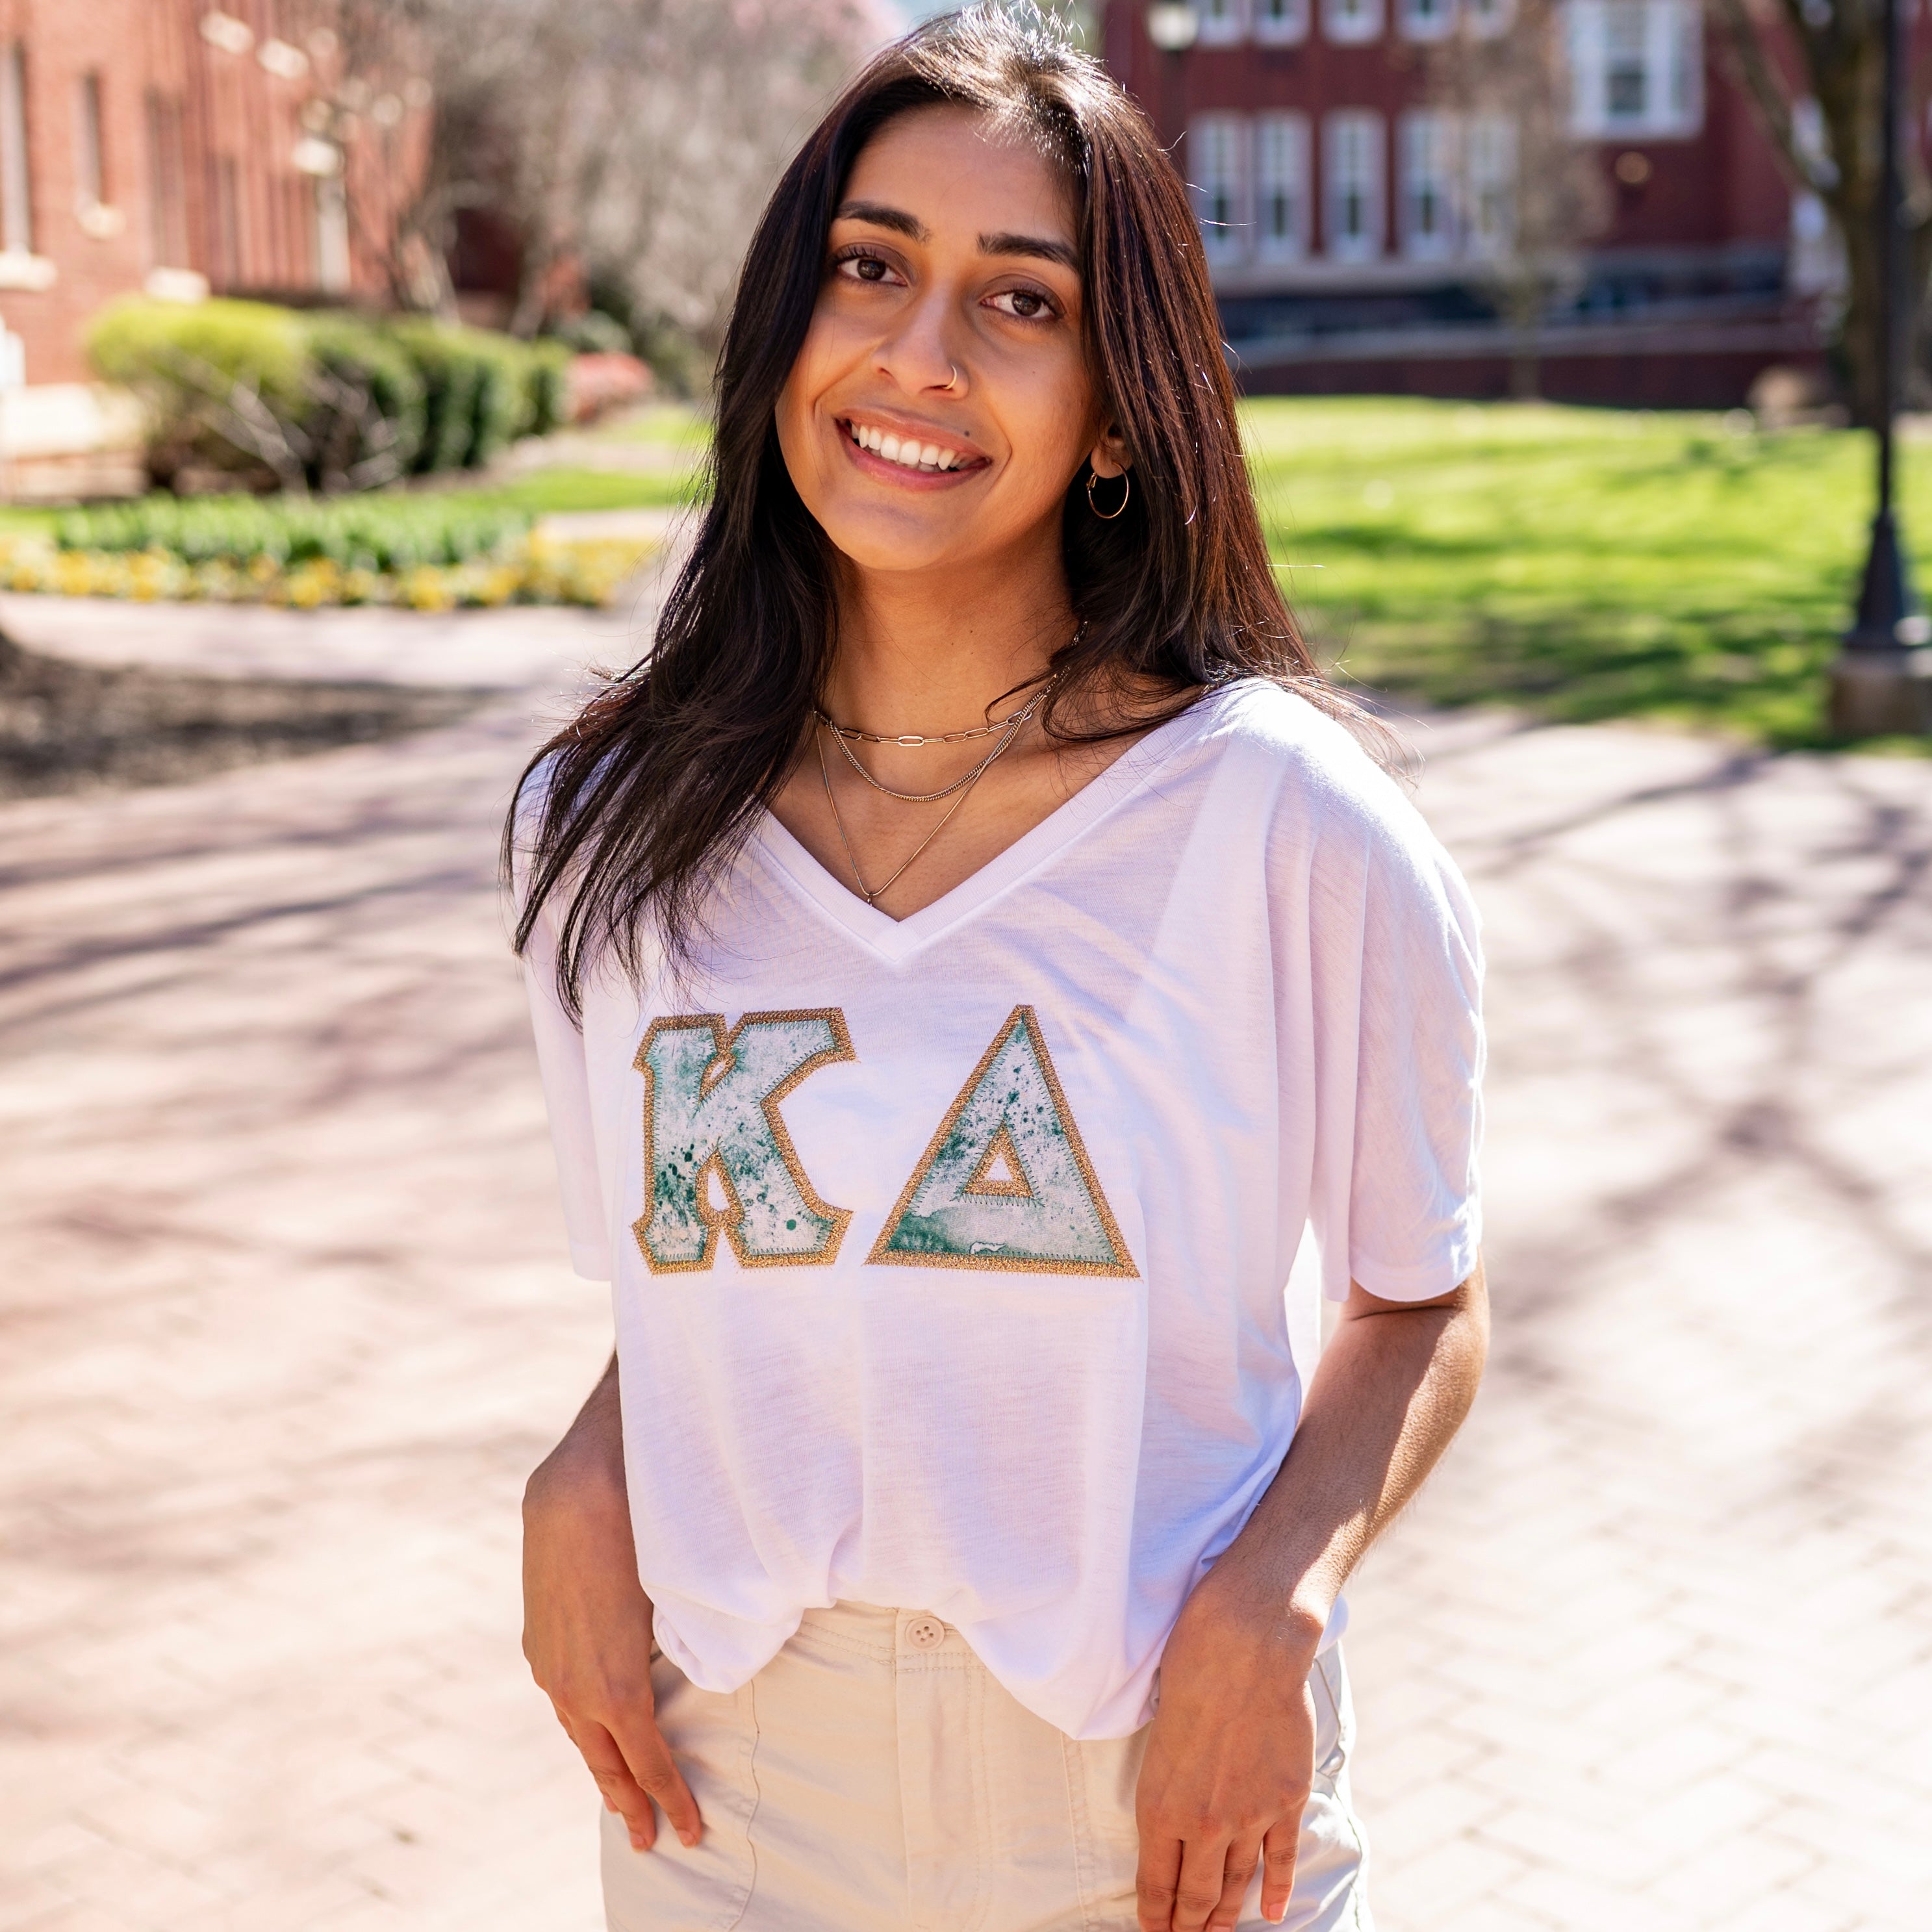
x=1229, y=1761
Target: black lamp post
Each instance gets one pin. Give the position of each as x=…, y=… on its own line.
x=1882, y=683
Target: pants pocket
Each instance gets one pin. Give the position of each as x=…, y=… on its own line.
x=705, y=1887
x=1334, y=1718
x=1329, y=1893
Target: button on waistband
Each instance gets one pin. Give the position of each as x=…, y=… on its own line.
x=925, y=1632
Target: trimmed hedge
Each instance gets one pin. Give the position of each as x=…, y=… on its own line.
x=324, y=401
x=367, y=424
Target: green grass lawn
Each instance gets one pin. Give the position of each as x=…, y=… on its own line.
x=1582, y=563
x=677, y=425
x=1586, y=564
x=545, y=492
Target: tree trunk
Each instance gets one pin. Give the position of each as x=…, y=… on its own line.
x=533, y=279
x=1842, y=56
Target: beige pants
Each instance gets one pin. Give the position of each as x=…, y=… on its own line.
x=874, y=1777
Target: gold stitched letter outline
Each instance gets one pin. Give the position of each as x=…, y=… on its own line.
x=711, y=1111
x=1005, y=1182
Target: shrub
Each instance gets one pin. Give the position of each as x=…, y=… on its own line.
x=323, y=401
x=503, y=394
x=365, y=426
x=481, y=390
x=549, y=388
x=594, y=333
x=452, y=377
x=222, y=380
x=326, y=401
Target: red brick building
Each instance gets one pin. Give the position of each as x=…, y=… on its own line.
x=182, y=148
x=1350, y=219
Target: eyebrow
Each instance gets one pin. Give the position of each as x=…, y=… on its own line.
x=1036, y=245
x=879, y=215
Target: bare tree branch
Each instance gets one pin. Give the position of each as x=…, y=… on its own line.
x=1530, y=248
x=1753, y=69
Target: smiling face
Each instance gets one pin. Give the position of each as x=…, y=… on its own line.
x=942, y=403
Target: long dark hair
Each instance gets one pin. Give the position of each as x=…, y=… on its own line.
x=654, y=787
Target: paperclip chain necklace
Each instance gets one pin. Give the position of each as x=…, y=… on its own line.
x=1009, y=729
x=1008, y=726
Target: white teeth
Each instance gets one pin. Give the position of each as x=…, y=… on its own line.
x=910, y=454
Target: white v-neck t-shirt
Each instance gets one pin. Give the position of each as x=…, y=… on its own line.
x=954, y=1259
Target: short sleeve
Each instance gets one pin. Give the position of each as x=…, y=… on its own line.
x=1396, y=976
x=567, y=1098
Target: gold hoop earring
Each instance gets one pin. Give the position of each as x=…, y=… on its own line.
x=1126, y=490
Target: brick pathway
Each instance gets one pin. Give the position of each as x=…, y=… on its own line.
x=1655, y=1650
x=285, y=1325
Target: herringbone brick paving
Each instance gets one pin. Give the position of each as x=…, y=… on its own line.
x=285, y=1325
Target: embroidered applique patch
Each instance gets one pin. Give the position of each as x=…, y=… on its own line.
x=1005, y=1183
x=717, y=1154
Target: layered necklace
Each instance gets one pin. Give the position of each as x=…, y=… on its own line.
x=1003, y=731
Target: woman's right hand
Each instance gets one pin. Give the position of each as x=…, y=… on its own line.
x=587, y=1622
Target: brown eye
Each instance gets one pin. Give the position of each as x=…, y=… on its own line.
x=1025, y=305
x=874, y=270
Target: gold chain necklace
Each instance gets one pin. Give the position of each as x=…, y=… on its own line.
x=1009, y=727
x=915, y=739
x=872, y=894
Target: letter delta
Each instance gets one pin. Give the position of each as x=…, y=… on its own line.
x=1004, y=1183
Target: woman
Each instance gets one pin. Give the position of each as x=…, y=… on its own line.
x=969, y=956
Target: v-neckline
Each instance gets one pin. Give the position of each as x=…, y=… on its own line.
x=898, y=939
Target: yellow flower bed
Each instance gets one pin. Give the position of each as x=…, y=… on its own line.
x=539, y=570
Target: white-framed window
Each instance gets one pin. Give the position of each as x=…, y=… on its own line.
x=1488, y=152
x=1280, y=23
x=228, y=216
x=1351, y=22
x=332, y=268
x=1223, y=23
x=167, y=170
x=1426, y=20
x=90, y=163
x=1636, y=67
x=1427, y=184
x=1489, y=20
x=1217, y=169
x=1281, y=184
x=1352, y=214
x=16, y=190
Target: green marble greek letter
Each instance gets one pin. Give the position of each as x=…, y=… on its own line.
x=1005, y=1183
x=712, y=1120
